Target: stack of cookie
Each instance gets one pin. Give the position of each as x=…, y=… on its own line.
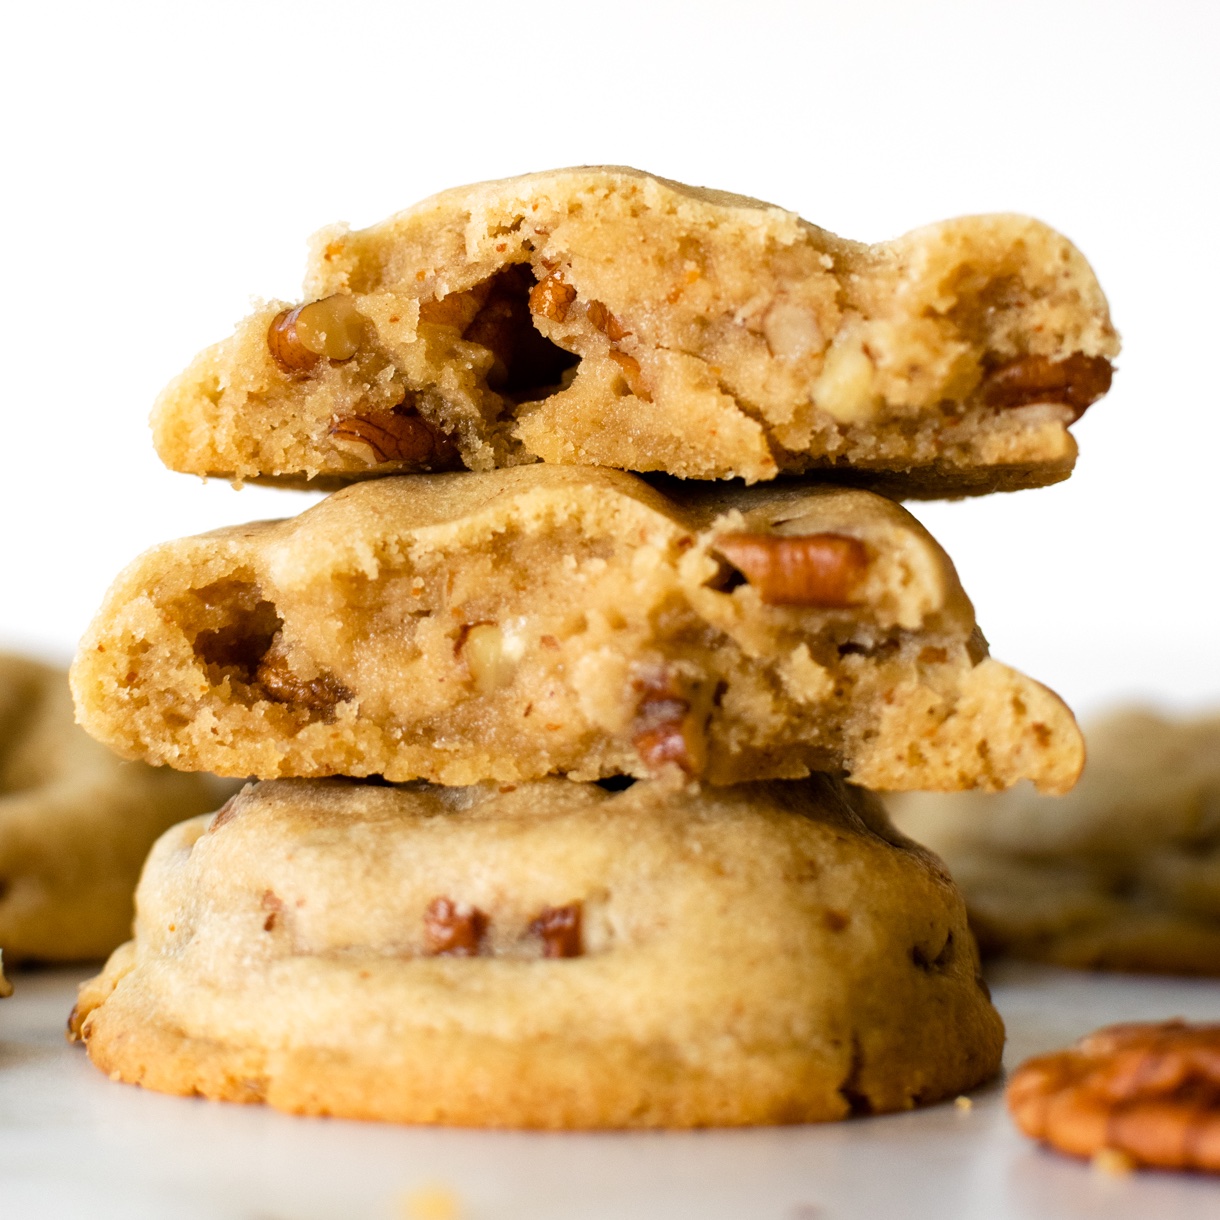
x=602, y=854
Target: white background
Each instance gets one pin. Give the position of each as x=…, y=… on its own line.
x=165, y=163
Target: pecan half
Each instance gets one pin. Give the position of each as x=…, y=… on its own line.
x=454, y=929
x=1148, y=1091
x=1078, y=381
x=559, y=928
x=331, y=328
x=398, y=435
x=281, y=685
x=552, y=297
x=815, y=570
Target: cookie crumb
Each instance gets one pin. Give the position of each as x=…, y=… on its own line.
x=964, y=1103
x=1113, y=1162
x=432, y=1203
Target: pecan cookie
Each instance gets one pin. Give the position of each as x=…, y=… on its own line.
x=1150, y=1093
x=547, y=955
x=75, y=822
x=518, y=623
x=1121, y=874
x=601, y=316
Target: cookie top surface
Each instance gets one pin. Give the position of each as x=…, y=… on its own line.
x=543, y=620
x=75, y=822
x=602, y=316
x=1123, y=871
x=652, y=940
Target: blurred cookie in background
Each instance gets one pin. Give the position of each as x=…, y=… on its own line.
x=75, y=822
x=1123, y=873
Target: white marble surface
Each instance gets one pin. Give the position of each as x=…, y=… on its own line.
x=72, y=1144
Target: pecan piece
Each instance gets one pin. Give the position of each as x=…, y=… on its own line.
x=1077, y=381
x=331, y=328
x=398, y=435
x=226, y=813
x=552, y=297
x=666, y=729
x=458, y=309
x=632, y=375
x=559, y=928
x=454, y=929
x=281, y=685
x=1148, y=1091
x=601, y=318
x=815, y=570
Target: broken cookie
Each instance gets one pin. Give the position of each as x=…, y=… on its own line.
x=548, y=955
x=543, y=620
x=602, y=316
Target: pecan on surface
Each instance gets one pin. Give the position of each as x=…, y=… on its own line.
x=1150, y=1092
x=814, y=570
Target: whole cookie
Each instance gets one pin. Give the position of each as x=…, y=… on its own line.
x=75, y=822
x=548, y=955
x=602, y=316
x=1123, y=873
x=519, y=623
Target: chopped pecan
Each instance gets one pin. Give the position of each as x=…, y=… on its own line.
x=282, y=685
x=398, y=435
x=815, y=570
x=600, y=317
x=331, y=328
x=666, y=729
x=458, y=309
x=273, y=905
x=526, y=362
x=552, y=297
x=559, y=928
x=632, y=375
x=453, y=929
x=1148, y=1091
x=1078, y=381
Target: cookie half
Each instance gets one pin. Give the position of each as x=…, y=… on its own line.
x=551, y=955
x=75, y=822
x=1122, y=874
x=601, y=316
x=542, y=620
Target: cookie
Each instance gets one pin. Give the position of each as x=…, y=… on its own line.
x=541, y=620
x=547, y=955
x=75, y=822
x=601, y=316
x=1121, y=874
x=1148, y=1094
x=6, y=988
